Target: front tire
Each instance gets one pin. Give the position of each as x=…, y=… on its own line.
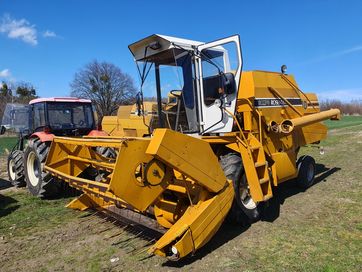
x=15, y=168
x=39, y=183
x=244, y=210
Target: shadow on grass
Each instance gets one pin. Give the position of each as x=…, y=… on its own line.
x=285, y=190
x=4, y=184
x=226, y=233
x=6, y=205
x=270, y=212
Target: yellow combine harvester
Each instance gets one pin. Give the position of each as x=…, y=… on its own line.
x=214, y=147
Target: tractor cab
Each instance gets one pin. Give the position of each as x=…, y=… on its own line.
x=61, y=116
x=195, y=83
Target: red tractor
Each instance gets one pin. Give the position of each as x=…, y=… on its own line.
x=46, y=118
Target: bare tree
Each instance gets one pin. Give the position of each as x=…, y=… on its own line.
x=348, y=108
x=105, y=84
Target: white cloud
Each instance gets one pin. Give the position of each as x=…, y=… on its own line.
x=19, y=29
x=337, y=54
x=345, y=95
x=5, y=73
x=49, y=34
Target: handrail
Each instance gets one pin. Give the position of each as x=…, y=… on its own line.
x=297, y=89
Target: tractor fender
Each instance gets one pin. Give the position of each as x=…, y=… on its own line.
x=95, y=133
x=43, y=136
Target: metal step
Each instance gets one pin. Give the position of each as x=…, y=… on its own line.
x=259, y=164
x=267, y=197
x=177, y=188
x=263, y=180
x=255, y=147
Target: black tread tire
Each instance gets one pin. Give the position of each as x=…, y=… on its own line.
x=232, y=166
x=303, y=164
x=47, y=185
x=17, y=156
x=106, y=152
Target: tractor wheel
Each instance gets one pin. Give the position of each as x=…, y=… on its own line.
x=306, y=171
x=244, y=210
x=16, y=168
x=39, y=183
x=106, y=152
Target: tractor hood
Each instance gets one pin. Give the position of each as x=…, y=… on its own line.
x=155, y=44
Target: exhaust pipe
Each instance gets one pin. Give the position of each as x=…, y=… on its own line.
x=288, y=125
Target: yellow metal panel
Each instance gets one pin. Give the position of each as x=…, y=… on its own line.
x=285, y=165
x=198, y=224
x=128, y=181
x=191, y=156
x=85, y=201
x=314, y=133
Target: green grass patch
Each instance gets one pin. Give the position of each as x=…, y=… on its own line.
x=22, y=214
x=346, y=121
x=7, y=143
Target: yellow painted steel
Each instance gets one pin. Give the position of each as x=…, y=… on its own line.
x=86, y=201
x=191, y=156
x=129, y=179
x=198, y=224
x=177, y=178
x=142, y=175
x=128, y=123
x=288, y=125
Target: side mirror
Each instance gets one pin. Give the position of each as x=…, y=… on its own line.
x=138, y=103
x=2, y=130
x=228, y=81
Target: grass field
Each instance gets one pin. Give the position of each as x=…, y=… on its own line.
x=347, y=121
x=7, y=143
x=315, y=230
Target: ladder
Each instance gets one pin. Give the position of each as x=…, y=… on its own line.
x=256, y=167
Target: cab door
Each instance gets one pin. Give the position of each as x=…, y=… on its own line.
x=219, y=62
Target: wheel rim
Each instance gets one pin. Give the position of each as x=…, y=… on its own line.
x=33, y=169
x=12, y=169
x=310, y=173
x=246, y=199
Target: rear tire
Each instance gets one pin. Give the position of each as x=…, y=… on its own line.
x=244, y=210
x=39, y=183
x=16, y=168
x=306, y=171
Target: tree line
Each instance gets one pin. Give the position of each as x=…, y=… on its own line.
x=353, y=107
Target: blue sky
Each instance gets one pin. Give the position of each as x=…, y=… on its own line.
x=46, y=42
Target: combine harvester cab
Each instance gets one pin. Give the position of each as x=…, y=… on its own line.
x=214, y=145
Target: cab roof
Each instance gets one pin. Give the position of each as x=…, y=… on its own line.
x=60, y=99
x=138, y=49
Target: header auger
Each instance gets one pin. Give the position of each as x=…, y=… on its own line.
x=212, y=148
